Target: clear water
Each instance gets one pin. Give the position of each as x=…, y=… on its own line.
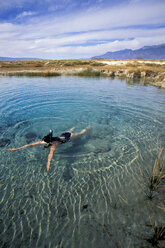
x=95, y=192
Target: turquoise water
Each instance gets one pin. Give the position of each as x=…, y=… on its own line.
x=95, y=192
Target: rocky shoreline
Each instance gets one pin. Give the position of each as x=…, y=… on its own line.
x=144, y=77
x=145, y=72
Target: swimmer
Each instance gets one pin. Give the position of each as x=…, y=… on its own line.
x=53, y=142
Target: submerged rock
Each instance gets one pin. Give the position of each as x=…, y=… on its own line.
x=31, y=136
x=68, y=174
x=103, y=149
x=85, y=206
x=4, y=142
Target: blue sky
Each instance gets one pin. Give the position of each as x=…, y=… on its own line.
x=72, y=29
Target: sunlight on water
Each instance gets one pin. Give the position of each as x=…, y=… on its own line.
x=95, y=192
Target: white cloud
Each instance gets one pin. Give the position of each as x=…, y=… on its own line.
x=89, y=51
x=25, y=14
x=55, y=37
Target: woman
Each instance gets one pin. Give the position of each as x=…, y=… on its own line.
x=53, y=142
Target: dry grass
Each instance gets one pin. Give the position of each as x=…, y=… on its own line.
x=154, y=180
x=158, y=173
x=157, y=236
x=86, y=64
x=77, y=63
x=34, y=74
x=89, y=73
x=152, y=73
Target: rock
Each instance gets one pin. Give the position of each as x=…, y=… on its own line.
x=120, y=73
x=4, y=142
x=68, y=174
x=133, y=75
x=143, y=74
x=159, y=84
x=112, y=74
x=103, y=149
x=30, y=136
x=84, y=207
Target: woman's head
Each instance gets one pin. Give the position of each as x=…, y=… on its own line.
x=48, y=138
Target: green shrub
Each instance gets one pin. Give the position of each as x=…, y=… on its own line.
x=89, y=73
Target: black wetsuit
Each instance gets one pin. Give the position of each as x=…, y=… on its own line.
x=49, y=139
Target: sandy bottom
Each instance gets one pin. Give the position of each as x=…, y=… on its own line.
x=96, y=192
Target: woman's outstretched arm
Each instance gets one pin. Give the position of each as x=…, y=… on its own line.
x=33, y=144
x=50, y=156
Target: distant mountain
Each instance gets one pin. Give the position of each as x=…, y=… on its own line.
x=11, y=59
x=147, y=52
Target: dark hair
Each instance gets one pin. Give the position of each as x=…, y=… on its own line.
x=47, y=139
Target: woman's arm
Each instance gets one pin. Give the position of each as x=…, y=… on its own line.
x=33, y=144
x=50, y=156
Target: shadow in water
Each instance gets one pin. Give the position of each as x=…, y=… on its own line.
x=76, y=148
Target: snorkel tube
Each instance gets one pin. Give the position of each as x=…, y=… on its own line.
x=50, y=135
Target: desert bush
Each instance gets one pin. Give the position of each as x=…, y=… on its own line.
x=89, y=73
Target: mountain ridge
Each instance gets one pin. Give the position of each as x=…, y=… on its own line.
x=146, y=52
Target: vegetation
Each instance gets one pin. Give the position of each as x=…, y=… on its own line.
x=154, y=183
x=77, y=62
x=34, y=74
x=157, y=236
x=133, y=65
x=151, y=72
x=89, y=73
x=156, y=177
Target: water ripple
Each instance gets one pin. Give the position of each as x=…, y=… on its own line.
x=92, y=196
